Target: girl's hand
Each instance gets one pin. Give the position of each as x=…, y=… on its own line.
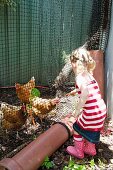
x=55, y=100
x=68, y=94
x=72, y=93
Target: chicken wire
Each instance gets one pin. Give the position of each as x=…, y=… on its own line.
x=35, y=35
x=66, y=106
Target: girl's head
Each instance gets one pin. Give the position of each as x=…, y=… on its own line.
x=82, y=61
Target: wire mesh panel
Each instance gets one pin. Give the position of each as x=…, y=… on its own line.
x=35, y=35
x=35, y=38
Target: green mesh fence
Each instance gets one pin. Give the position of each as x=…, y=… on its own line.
x=35, y=34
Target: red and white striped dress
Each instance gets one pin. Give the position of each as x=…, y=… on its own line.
x=94, y=110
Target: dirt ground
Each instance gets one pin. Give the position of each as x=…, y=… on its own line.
x=12, y=142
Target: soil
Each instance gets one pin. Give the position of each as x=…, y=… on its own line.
x=11, y=142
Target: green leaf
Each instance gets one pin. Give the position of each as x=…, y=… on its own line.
x=71, y=162
x=73, y=166
x=92, y=163
x=35, y=92
x=47, y=163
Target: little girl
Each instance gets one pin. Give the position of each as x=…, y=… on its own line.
x=91, y=108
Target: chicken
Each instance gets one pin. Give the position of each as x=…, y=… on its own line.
x=14, y=117
x=23, y=91
x=40, y=106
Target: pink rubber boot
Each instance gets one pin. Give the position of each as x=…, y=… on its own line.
x=77, y=149
x=89, y=148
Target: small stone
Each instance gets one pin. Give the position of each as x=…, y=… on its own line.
x=111, y=160
x=111, y=147
x=100, y=150
x=58, y=161
x=3, y=148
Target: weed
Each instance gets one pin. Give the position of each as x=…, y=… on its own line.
x=73, y=166
x=47, y=163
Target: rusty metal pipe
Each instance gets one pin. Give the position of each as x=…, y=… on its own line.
x=98, y=56
x=33, y=155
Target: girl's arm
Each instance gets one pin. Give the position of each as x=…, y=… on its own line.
x=84, y=94
x=72, y=93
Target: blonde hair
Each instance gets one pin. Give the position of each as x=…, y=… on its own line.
x=83, y=59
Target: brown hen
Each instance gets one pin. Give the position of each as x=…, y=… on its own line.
x=23, y=91
x=41, y=107
x=14, y=117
